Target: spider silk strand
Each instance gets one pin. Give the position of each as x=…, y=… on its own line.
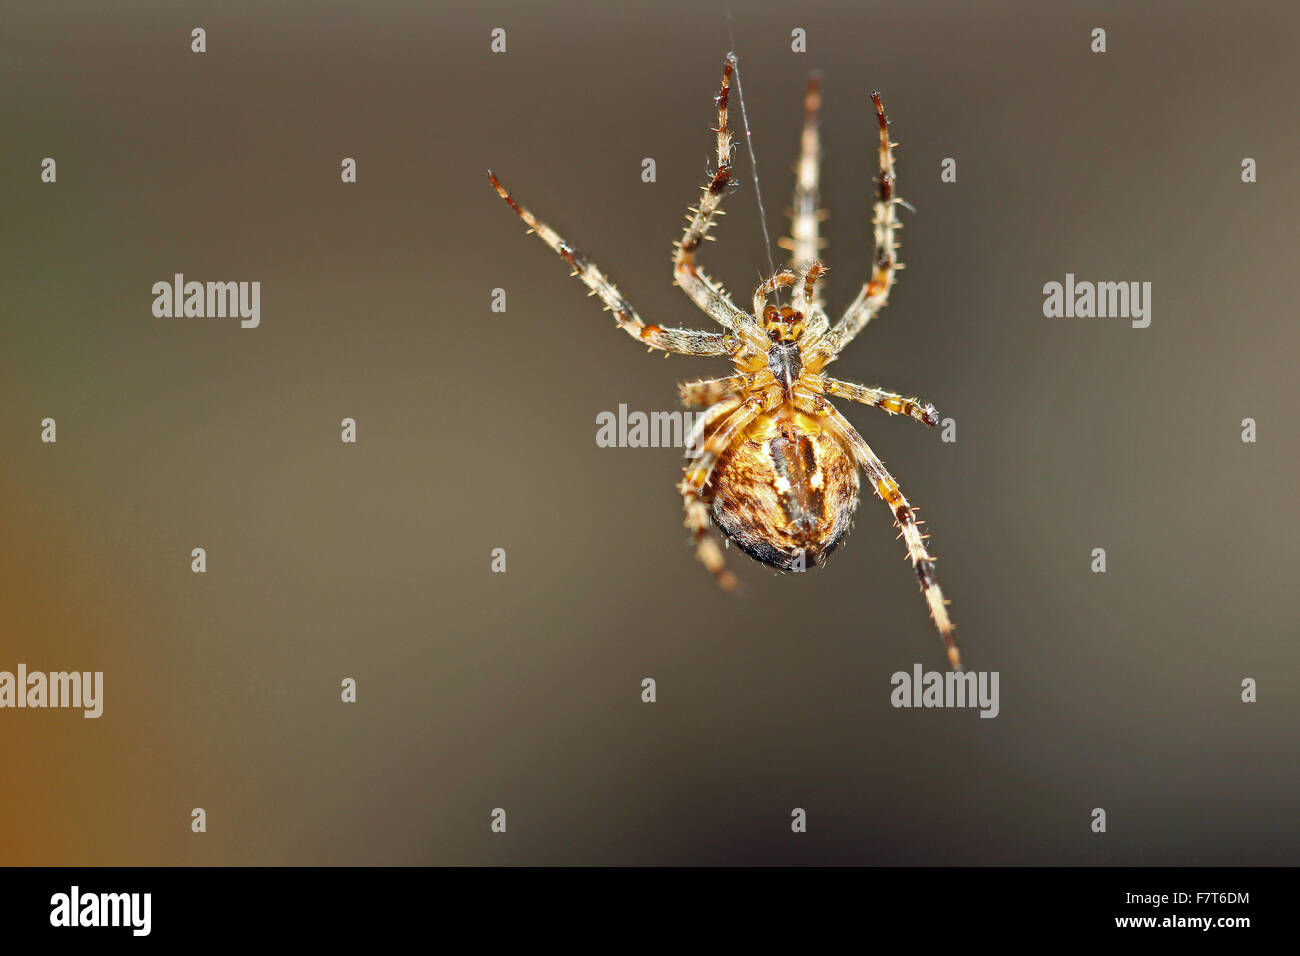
x=753, y=167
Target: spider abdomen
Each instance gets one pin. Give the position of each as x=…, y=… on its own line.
x=786, y=491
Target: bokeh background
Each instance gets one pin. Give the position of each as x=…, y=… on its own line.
x=477, y=430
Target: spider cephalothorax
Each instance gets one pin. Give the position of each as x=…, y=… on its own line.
x=772, y=461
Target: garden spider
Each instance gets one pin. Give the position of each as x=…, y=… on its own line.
x=777, y=462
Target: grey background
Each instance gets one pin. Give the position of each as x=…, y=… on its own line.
x=477, y=430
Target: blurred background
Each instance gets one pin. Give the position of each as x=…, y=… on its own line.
x=476, y=430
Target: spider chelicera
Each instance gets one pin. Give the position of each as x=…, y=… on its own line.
x=777, y=463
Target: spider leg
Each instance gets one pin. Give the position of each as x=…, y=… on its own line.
x=707, y=420
x=887, y=490
x=807, y=297
x=735, y=415
x=682, y=341
x=875, y=293
x=890, y=402
x=707, y=294
x=805, y=241
x=710, y=391
x=781, y=280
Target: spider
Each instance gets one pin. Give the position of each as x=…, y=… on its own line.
x=777, y=463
